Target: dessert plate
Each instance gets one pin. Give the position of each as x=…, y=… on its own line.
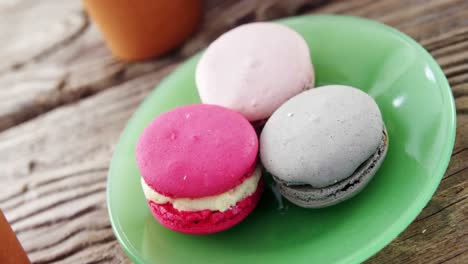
x=418, y=109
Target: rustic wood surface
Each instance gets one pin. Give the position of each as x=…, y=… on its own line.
x=57, y=79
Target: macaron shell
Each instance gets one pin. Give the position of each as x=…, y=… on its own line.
x=254, y=68
x=197, y=151
x=309, y=197
x=205, y=222
x=321, y=136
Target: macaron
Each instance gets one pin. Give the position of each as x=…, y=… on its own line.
x=324, y=145
x=254, y=68
x=198, y=166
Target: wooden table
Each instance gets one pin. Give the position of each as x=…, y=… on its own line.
x=65, y=100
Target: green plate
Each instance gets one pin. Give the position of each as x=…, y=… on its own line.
x=418, y=110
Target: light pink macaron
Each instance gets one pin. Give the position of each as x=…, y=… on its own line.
x=255, y=68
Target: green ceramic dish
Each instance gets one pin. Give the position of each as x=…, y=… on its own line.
x=418, y=109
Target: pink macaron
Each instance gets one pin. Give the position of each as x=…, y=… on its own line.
x=255, y=68
x=199, y=168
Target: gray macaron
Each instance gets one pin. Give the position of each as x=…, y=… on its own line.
x=324, y=145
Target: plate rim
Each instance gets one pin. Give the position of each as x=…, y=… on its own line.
x=406, y=217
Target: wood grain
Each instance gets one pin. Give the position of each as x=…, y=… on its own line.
x=55, y=155
x=40, y=28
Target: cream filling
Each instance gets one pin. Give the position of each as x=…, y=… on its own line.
x=220, y=202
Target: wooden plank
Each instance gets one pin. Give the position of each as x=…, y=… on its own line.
x=65, y=77
x=66, y=188
x=70, y=63
x=39, y=28
x=54, y=166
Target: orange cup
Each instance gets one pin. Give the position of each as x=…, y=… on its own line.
x=11, y=251
x=141, y=29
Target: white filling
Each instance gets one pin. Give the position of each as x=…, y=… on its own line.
x=220, y=202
